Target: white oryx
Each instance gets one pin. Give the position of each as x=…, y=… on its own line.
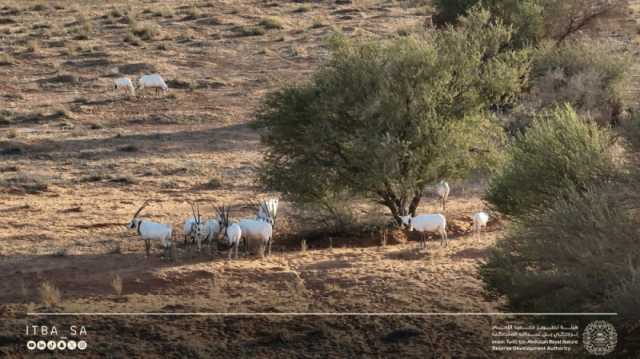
x=152, y=81
x=480, y=220
x=442, y=189
x=259, y=230
x=232, y=232
x=125, y=84
x=152, y=231
x=427, y=223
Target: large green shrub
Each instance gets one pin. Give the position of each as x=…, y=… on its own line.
x=525, y=16
x=579, y=255
x=593, y=76
x=381, y=120
x=560, y=152
x=535, y=20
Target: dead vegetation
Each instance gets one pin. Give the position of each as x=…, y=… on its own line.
x=49, y=295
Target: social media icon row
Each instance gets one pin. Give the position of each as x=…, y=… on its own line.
x=59, y=345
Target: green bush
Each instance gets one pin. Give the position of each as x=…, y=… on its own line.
x=525, y=16
x=593, y=76
x=559, y=152
x=535, y=20
x=381, y=120
x=579, y=255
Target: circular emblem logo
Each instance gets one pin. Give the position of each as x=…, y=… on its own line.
x=42, y=344
x=62, y=345
x=31, y=345
x=72, y=345
x=600, y=337
x=82, y=345
x=51, y=345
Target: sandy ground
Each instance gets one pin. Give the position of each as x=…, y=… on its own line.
x=97, y=154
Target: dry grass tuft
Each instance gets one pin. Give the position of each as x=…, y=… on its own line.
x=33, y=46
x=271, y=23
x=49, y=294
x=116, y=284
x=145, y=31
x=249, y=30
x=26, y=183
x=6, y=59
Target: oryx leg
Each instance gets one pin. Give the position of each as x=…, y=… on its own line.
x=269, y=251
x=147, y=246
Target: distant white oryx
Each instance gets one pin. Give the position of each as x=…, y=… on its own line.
x=259, y=230
x=427, y=223
x=152, y=231
x=124, y=83
x=232, y=231
x=480, y=220
x=442, y=189
x=152, y=81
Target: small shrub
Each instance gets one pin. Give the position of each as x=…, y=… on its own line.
x=559, y=152
x=116, y=284
x=214, y=183
x=49, y=294
x=40, y=7
x=115, y=249
x=115, y=13
x=193, y=13
x=145, y=31
x=271, y=23
x=33, y=46
x=249, y=30
x=302, y=8
x=26, y=182
x=6, y=59
x=132, y=39
x=317, y=23
x=62, y=252
x=128, y=148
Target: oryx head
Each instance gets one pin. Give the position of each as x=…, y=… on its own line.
x=406, y=221
x=223, y=217
x=196, y=227
x=135, y=221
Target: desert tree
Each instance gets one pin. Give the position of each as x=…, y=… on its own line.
x=383, y=119
x=536, y=20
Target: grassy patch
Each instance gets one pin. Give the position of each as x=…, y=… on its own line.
x=249, y=30
x=33, y=46
x=128, y=148
x=145, y=31
x=213, y=183
x=26, y=182
x=302, y=9
x=49, y=294
x=271, y=23
x=116, y=285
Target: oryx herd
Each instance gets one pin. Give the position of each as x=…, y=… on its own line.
x=256, y=231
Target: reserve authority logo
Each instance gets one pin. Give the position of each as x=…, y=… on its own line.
x=600, y=337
